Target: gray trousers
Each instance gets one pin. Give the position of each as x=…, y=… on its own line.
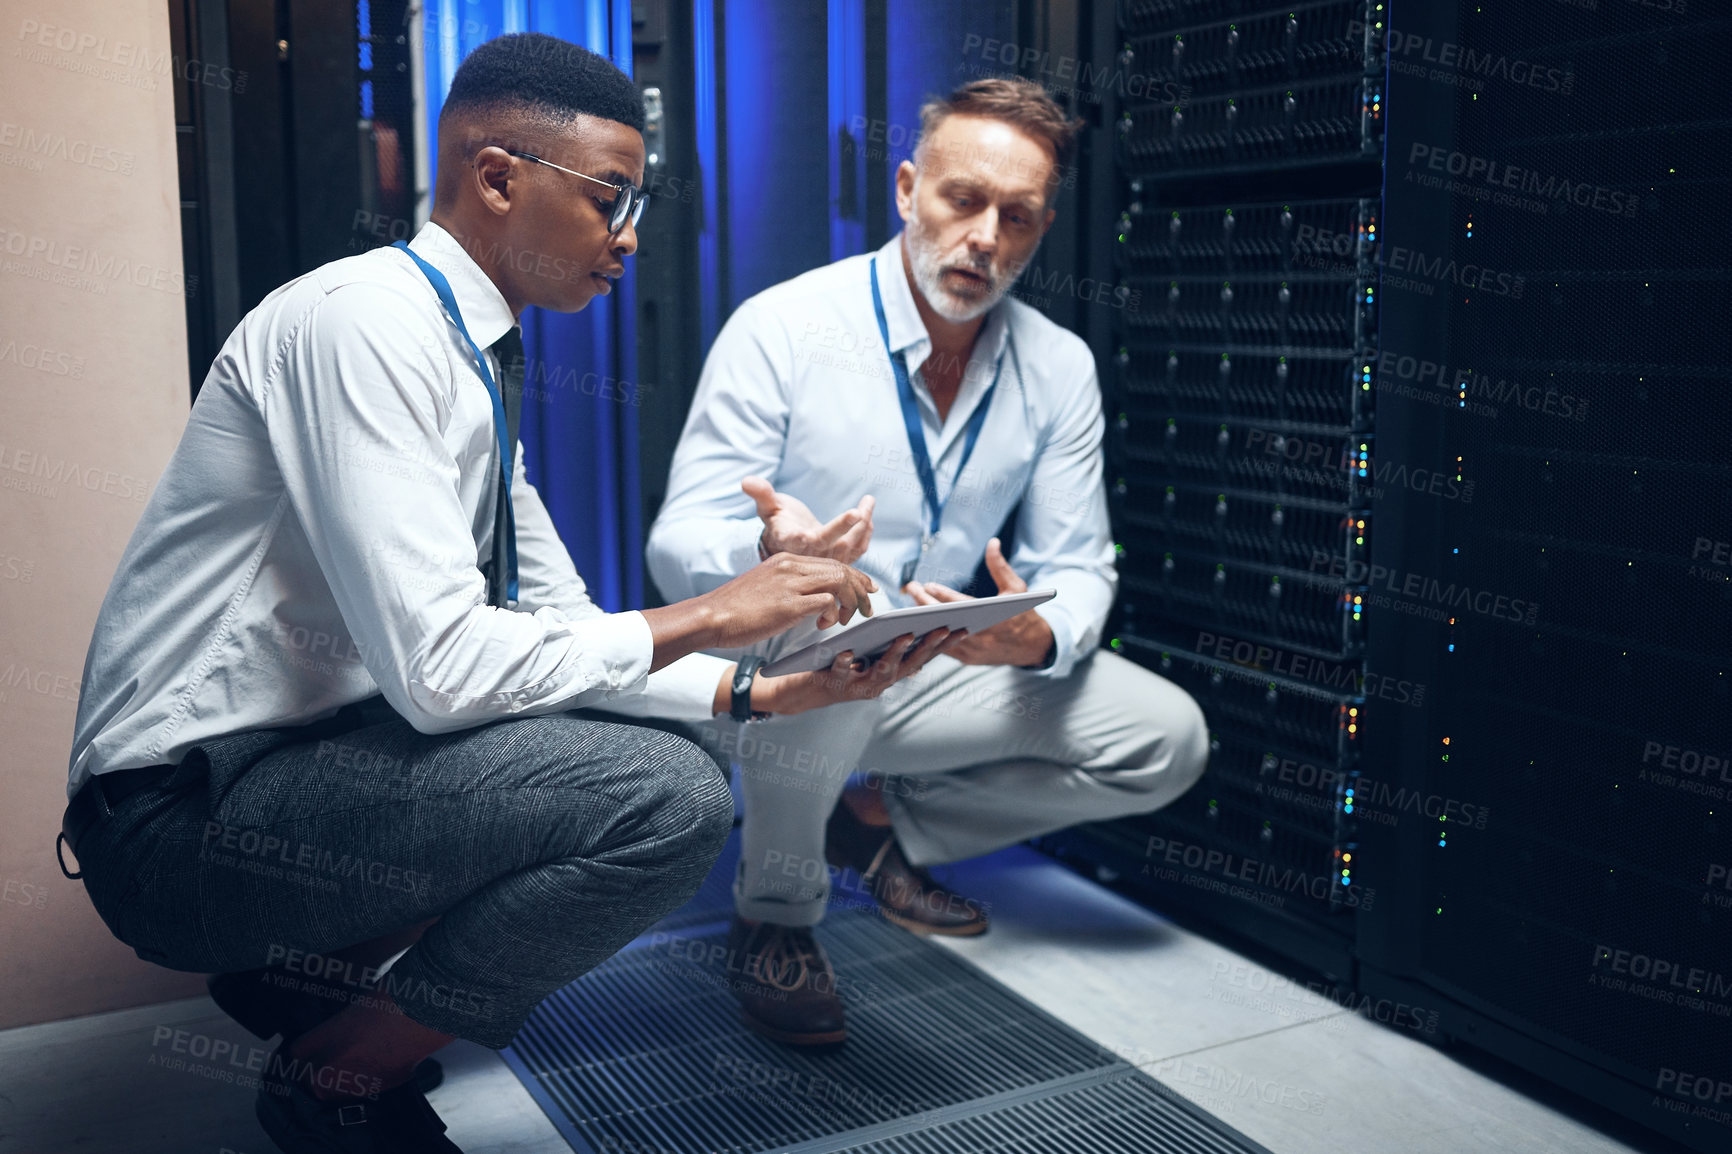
x=542, y=845
x=970, y=758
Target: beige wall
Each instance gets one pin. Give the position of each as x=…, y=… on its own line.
x=93, y=395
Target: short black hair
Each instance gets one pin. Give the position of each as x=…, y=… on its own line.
x=553, y=77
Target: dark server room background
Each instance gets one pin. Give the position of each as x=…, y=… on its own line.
x=1411, y=321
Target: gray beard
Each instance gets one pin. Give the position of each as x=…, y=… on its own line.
x=928, y=265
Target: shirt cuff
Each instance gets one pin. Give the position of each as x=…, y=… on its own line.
x=744, y=553
x=625, y=646
x=612, y=659
x=684, y=690
x=1064, y=655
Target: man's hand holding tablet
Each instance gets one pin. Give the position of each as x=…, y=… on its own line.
x=1025, y=639
x=767, y=599
x=870, y=662
x=851, y=679
x=868, y=639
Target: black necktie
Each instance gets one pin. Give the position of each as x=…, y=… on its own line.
x=508, y=349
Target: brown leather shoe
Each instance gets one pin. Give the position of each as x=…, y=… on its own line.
x=785, y=983
x=906, y=894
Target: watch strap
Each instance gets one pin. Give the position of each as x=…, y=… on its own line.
x=745, y=672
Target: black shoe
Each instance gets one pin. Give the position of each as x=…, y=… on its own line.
x=269, y=1002
x=906, y=894
x=786, y=986
x=396, y=1121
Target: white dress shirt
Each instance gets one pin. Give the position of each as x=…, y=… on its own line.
x=317, y=535
x=798, y=389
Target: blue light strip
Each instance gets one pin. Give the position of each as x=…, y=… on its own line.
x=364, y=32
x=846, y=34
x=705, y=87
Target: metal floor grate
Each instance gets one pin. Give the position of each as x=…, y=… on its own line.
x=646, y=1055
x=1117, y=1111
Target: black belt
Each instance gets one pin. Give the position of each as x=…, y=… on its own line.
x=97, y=797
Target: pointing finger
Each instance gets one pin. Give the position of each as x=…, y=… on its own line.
x=863, y=587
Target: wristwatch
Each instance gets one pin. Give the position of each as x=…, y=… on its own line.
x=763, y=553
x=744, y=674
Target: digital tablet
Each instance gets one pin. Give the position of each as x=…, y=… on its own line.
x=869, y=637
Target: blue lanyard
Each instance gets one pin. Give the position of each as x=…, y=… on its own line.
x=449, y=300
x=917, y=434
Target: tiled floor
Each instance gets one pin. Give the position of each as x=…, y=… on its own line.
x=1287, y=1067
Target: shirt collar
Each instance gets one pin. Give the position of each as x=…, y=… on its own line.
x=908, y=332
x=485, y=312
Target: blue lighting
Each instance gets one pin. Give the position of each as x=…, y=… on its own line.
x=767, y=52
x=847, y=97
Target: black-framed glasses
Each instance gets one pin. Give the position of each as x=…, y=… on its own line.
x=628, y=201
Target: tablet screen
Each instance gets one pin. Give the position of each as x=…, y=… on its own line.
x=870, y=637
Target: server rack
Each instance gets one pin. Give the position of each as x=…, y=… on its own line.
x=1239, y=442
x=1555, y=215
x=1489, y=693
x=297, y=146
